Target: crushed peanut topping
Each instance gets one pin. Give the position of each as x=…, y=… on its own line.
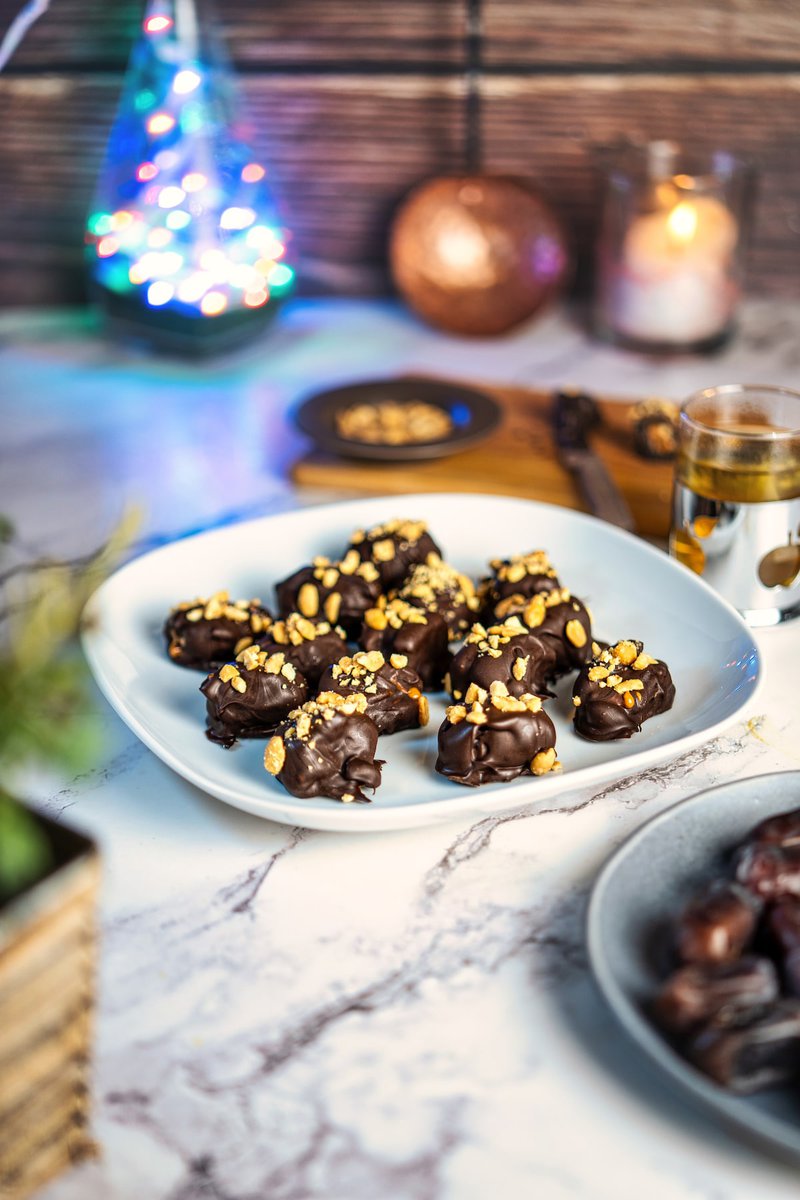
x=427, y=581
x=383, y=551
x=475, y=694
x=515, y=568
x=626, y=654
x=575, y=633
x=332, y=607
x=544, y=761
x=308, y=600
x=296, y=629
x=520, y=667
x=253, y=658
x=394, y=422
x=478, y=702
x=350, y=562
x=489, y=641
x=275, y=755
x=219, y=605
x=396, y=613
x=302, y=721
x=455, y=713
x=407, y=532
x=328, y=572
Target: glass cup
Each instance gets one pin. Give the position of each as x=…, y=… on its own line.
x=736, y=500
x=670, y=251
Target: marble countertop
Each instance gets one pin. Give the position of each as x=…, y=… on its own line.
x=288, y=1015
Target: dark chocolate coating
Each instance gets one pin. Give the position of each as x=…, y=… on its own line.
x=495, y=752
x=759, y=1055
x=424, y=643
x=254, y=713
x=717, y=924
x=311, y=655
x=471, y=664
x=783, y=830
x=729, y=993
x=340, y=762
x=210, y=642
x=603, y=715
x=783, y=933
x=401, y=545
x=572, y=647
x=783, y=924
x=769, y=871
x=355, y=592
x=439, y=588
x=501, y=597
x=395, y=702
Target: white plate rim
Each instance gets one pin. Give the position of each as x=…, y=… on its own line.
x=762, y=1126
x=469, y=802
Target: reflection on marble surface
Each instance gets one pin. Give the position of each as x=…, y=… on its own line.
x=288, y=1015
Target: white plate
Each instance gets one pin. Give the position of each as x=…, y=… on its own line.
x=633, y=590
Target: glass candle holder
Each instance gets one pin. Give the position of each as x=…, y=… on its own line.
x=669, y=263
x=736, y=501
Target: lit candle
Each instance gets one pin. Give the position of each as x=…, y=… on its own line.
x=675, y=282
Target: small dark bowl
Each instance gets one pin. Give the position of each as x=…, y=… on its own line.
x=474, y=415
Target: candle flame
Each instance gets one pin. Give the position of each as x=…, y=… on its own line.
x=682, y=222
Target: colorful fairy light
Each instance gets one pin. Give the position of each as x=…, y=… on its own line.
x=195, y=181
x=185, y=82
x=160, y=122
x=158, y=23
x=183, y=219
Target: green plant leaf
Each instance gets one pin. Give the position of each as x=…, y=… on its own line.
x=25, y=852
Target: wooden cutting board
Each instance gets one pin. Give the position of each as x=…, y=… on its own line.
x=518, y=459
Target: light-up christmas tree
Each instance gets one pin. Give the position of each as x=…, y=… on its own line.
x=184, y=239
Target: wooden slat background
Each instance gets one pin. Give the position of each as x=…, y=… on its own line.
x=352, y=104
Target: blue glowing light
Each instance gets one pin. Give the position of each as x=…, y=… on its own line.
x=182, y=212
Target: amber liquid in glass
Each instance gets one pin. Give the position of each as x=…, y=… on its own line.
x=747, y=472
x=743, y=471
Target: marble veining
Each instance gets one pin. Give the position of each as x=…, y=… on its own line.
x=296, y=1015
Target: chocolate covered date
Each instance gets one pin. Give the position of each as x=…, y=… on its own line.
x=512, y=583
x=618, y=690
x=438, y=587
x=494, y=737
x=717, y=924
x=310, y=645
x=326, y=748
x=247, y=698
x=761, y=1054
x=337, y=592
x=510, y=654
x=207, y=633
x=394, y=547
x=769, y=871
x=420, y=636
x=783, y=830
x=728, y=993
x=392, y=690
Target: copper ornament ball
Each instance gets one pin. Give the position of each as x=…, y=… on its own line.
x=477, y=254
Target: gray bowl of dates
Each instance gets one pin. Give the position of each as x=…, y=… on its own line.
x=398, y=420
x=693, y=934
